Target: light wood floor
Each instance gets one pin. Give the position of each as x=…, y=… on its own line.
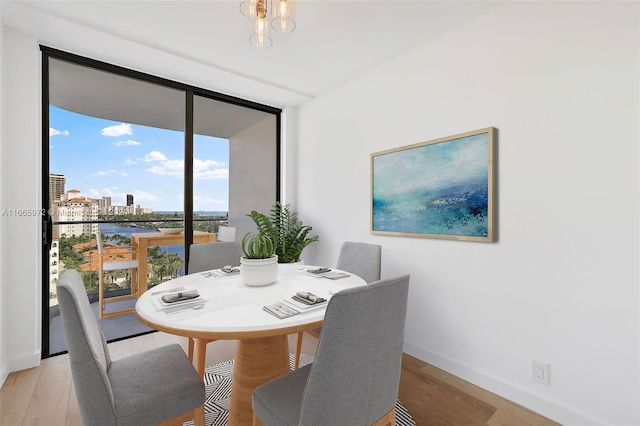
x=45, y=395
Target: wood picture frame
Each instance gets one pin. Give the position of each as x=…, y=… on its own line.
x=443, y=188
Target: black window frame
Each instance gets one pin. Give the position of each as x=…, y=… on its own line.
x=190, y=93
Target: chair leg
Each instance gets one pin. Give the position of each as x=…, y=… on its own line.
x=134, y=282
x=198, y=416
x=100, y=293
x=388, y=419
x=200, y=353
x=190, y=349
x=296, y=361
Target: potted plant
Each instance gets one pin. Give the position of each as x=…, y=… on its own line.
x=290, y=235
x=259, y=263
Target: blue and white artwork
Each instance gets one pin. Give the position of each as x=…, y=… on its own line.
x=437, y=189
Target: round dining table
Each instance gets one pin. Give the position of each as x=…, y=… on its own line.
x=226, y=309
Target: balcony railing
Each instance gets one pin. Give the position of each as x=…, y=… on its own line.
x=80, y=252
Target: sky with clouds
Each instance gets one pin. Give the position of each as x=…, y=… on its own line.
x=102, y=158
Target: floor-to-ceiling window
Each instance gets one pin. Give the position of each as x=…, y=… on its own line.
x=128, y=154
x=243, y=145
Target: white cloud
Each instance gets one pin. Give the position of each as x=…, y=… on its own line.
x=108, y=192
x=124, y=174
x=104, y=172
x=120, y=198
x=202, y=169
x=200, y=165
x=119, y=130
x=55, y=132
x=169, y=168
x=212, y=174
x=130, y=161
x=154, y=156
x=142, y=198
x=209, y=169
x=127, y=143
x=208, y=204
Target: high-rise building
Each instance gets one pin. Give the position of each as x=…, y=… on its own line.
x=75, y=208
x=130, y=200
x=56, y=187
x=104, y=205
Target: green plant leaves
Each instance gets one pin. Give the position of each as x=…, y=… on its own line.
x=257, y=246
x=290, y=235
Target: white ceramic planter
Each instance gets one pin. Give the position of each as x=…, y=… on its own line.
x=259, y=272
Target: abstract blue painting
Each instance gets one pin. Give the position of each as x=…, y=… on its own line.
x=439, y=189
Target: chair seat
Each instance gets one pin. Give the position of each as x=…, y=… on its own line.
x=140, y=391
x=116, y=266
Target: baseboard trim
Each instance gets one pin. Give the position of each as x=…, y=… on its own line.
x=550, y=409
x=4, y=373
x=29, y=361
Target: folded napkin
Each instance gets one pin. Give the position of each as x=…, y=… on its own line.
x=179, y=296
x=308, y=298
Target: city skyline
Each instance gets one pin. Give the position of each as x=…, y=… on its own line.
x=104, y=158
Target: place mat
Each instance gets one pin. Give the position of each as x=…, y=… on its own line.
x=162, y=305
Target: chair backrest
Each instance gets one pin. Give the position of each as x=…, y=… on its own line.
x=99, y=241
x=206, y=256
x=226, y=233
x=88, y=352
x=361, y=259
x=357, y=366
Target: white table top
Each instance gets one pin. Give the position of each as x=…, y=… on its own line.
x=227, y=308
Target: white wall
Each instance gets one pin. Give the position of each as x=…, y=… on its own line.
x=4, y=371
x=559, y=80
x=252, y=164
x=20, y=189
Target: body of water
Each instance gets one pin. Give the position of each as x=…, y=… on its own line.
x=126, y=230
x=196, y=213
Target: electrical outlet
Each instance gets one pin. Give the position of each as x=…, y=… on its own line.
x=540, y=372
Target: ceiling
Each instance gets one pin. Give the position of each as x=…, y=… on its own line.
x=114, y=97
x=334, y=41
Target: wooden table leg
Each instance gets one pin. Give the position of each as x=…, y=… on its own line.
x=257, y=361
x=200, y=355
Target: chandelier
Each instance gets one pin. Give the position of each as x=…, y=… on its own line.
x=279, y=12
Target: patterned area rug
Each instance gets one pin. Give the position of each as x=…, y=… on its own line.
x=217, y=380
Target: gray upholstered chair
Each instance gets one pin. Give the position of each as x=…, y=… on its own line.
x=143, y=389
x=361, y=259
x=356, y=373
x=226, y=233
x=207, y=256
